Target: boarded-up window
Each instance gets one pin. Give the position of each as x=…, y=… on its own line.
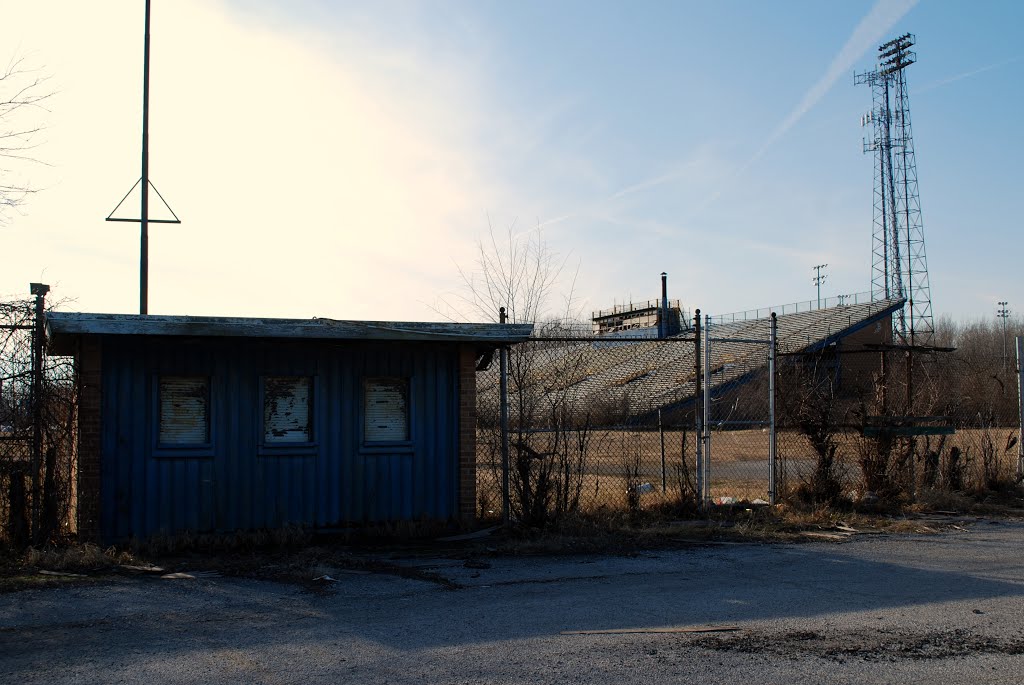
x=184, y=410
x=386, y=409
x=287, y=409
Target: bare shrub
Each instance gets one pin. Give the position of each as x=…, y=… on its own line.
x=809, y=401
x=996, y=472
x=686, y=488
x=631, y=461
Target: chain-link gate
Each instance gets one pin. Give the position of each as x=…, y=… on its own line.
x=737, y=460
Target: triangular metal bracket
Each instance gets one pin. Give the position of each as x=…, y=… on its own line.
x=175, y=220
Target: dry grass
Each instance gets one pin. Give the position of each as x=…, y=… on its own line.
x=739, y=465
x=48, y=566
x=82, y=557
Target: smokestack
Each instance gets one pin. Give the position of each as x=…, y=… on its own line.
x=663, y=315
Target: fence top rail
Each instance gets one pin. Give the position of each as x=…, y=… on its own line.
x=608, y=339
x=906, y=419
x=633, y=307
x=793, y=308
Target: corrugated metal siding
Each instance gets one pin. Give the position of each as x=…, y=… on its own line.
x=241, y=481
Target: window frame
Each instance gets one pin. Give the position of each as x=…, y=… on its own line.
x=191, y=449
x=386, y=446
x=265, y=448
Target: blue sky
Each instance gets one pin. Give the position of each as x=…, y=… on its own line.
x=339, y=159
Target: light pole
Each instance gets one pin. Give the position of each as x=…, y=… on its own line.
x=819, y=279
x=1002, y=313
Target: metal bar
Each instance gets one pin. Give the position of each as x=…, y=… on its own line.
x=772, y=452
x=706, y=495
x=661, y=434
x=907, y=431
x=150, y=221
x=506, y=500
x=176, y=220
x=697, y=412
x=144, y=220
x=610, y=339
x=896, y=420
x=38, y=348
x=1020, y=406
x=741, y=340
x=911, y=444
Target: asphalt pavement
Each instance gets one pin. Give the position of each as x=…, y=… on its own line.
x=937, y=608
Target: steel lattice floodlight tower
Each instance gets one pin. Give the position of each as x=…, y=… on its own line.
x=899, y=267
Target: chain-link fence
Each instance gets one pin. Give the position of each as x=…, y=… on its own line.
x=894, y=422
x=721, y=415
x=593, y=423
x=37, y=426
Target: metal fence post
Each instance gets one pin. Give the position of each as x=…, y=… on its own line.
x=773, y=476
x=706, y=495
x=506, y=500
x=661, y=435
x=911, y=441
x=38, y=349
x=698, y=412
x=1020, y=406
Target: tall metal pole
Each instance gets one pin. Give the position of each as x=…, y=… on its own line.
x=144, y=184
x=911, y=441
x=506, y=499
x=818, y=278
x=1003, y=312
x=707, y=408
x=773, y=476
x=661, y=434
x=38, y=349
x=698, y=412
x=1020, y=406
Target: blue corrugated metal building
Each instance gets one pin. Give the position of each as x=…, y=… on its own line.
x=220, y=424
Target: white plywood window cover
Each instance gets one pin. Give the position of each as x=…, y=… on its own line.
x=286, y=409
x=184, y=410
x=386, y=412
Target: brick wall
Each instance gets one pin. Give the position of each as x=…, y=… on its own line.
x=467, y=433
x=89, y=363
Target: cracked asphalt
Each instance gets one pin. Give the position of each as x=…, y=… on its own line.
x=943, y=608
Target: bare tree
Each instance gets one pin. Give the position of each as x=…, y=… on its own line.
x=514, y=269
x=22, y=93
x=551, y=431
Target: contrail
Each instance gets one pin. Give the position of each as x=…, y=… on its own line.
x=869, y=32
x=871, y=29
x=968, y=74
